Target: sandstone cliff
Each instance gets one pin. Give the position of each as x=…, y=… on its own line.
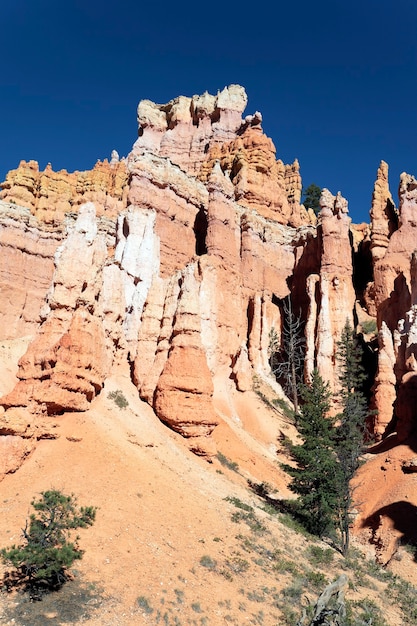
x=182, y=254
x=174, y=263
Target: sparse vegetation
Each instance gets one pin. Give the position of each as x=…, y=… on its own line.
x=208, y=562
x=369, y=327
x=232, y=465
x=320, y=556
x=405, y=595
x=287, y=352
x=144, y=604
x=239, y=504
x=118, y=398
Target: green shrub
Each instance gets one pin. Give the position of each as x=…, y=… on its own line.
x=45, y=555
x=144, y=605
x=320, y=556
x=405, y=596
x=316, y=579
x=232, y=465
x=118, y=398
x=208, y=562
x=362, y=612
x=238, y=503
x=369, y=327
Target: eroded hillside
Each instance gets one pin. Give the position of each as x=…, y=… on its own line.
x=169, y=269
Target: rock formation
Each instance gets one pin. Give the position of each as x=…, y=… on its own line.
x=27, y=251
x=395, y=295
x=184, y=252
x=174, y=263
x=331, y=293
x=384, y=219
x=50, y=195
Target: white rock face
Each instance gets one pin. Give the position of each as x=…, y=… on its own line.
x=77, y=263
x=232, y=97
x=137, y=252
x=184, y=129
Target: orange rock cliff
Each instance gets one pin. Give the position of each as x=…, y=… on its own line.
x=175, y=262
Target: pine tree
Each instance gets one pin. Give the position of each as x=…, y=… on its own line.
x=48, y=551
x=315, y=477
x=349, y=433
x=311, y=199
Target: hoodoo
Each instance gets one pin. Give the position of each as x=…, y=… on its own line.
x=174, y=263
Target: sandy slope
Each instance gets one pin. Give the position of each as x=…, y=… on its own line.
x=164, y=533
x=160, y=508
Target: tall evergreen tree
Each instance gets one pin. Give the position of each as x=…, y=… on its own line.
x=311, y=199
x=315, y=477
x=349, y=432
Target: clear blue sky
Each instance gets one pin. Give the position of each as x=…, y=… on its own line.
x=336, y=81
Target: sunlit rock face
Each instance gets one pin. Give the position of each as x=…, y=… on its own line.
x=172, y=266
x=173, y=262
x=384, y=219
x=50, y=195
x=395, y=294
x=184, y=129
x=27, y=251
x=331, y=292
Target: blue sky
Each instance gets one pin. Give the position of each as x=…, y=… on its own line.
x=336, y=82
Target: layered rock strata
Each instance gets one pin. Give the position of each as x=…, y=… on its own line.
x=50, y=195
x=27, y=251
x=183, y=256
x=331, y=292
x=395, y=299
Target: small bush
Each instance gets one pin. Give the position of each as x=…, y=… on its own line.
x=282, y=566
x=232, y=465
x=238, y=503
x=316, y=579
x=320, y=556
x=369, y=327
x=118, y=398
x=404, y=595
x=237, y=565
x=144, y=605
x=250, y=519
x=208, y=562
x=364, y=611
x=45, y=555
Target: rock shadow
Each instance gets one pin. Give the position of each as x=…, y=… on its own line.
x=404, y=516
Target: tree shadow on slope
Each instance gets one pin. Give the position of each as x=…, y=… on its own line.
x=74, y=602
x=404, y=516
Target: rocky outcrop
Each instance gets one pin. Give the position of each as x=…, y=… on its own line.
x=65, y=365
x=184, y=129
x=395, y=279
x=174, y=264
x=50, y=195
x=180, y=203
x=331, y=293
x=185, y=382
x=384, y=218
x=177, y=267
x=260, y=181
x=27, y=263
x=181, y=260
